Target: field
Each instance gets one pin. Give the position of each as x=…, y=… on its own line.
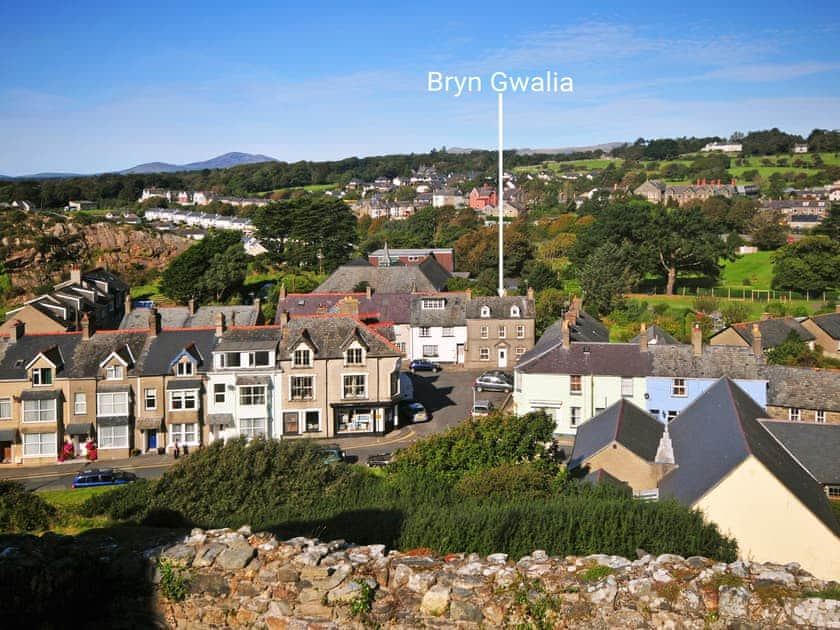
x=307, y=188
x=68, y=502
x=757, y=268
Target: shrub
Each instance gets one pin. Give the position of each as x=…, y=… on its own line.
x=22, y=510
x=706, y=304
x=598, y=572
x=174, y=580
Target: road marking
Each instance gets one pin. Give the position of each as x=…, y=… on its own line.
x=73, y=472
x=395, y=440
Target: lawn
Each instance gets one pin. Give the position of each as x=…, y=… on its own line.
x=757, y=268
x=307, y=188
x=68, y=502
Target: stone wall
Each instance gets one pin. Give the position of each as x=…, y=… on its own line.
x=239, y=579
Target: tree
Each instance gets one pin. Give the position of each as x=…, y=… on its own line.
x=226, y=272
x=830, y=225
x=539, y=276
x=606, y=277
x=768, y=233
x=184, y=278
x=812, y=264
x=549, y=305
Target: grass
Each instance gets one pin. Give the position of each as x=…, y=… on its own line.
x=307, y=188
x=757, y=267
x=687, y=301
x=68, y=502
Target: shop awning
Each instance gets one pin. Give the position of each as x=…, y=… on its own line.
x=79, y=428
x=220, y=419
x=112, y=421
x=8, y=435
x=40, y=394
x=186, y=384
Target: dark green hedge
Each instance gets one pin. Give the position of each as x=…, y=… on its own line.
x=22, y=510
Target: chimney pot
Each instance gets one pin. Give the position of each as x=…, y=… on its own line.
x=468, y=293
x=154, y=322
x=284, y=317
x=697, y=340
x=283, y=291
x=765, y=316
x=87, y=327
x=567, y=334
x=368, y=291
x=220, y=324
x=129, y=304
x=530, y=293
x=191, y=305
x=76, y=273
x=756, y=341
x=17, y=331
x=643, y=339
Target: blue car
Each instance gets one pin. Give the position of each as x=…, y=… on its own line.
x=102, y=477
x=424, y=365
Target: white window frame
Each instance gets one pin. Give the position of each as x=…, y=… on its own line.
x=79, y=403
x=252, y=395
x=447, y=331
x=350, y=386
x=433, y=304
x=794, y=414
x=833, y=492
x=484, y=353
x=114, y=373
x=5, y=404
x=216, y=393
x=425, y=331
x=179, y=432
x=576, y=384
x=149, y=394
x=46, y=447
x=430, y=351
x=514, y=311
x=302, y=357
x=520, y=331
x=184, y=368
x=301, y=386
x=520, y=350
x=354, y=356
x=575, y=416
x=252, y=358
x=113, y=400
x=819, y=416
x=253, y=427
x=305, y=413
x=484, y=332
x=485, y=311
x=627, y=387
x=679, y=388
x=37, y=377
x=188, y=399
x=112, y=437
x=502, y=332
x=40, y=408
x=400, y=346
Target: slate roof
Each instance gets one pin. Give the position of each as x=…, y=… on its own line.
x=604, y=359
x=253, y=338
x=87, y=355
x=169, y=343
x=657, y=336
x=179, y=317
x=774, y=331
x=500, y=307
x=16, y=355
x=830, y=323
x=815, y=446
x=621, y=422
x=390, y=307
x=453, y=314
x=588, y=328
x=805, y=388
x=719, y=431
x=679, y=361
x=427, y=276
x=329, y=334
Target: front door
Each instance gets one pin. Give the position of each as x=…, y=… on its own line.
x=502, y=357
x=460, y=357
x=7, y=451
x=290, y=423
x=151, y=439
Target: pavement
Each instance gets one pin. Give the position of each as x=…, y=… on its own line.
x=448, y=395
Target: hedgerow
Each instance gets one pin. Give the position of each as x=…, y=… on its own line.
x=21, y=510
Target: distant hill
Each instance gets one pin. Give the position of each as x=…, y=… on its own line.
x=222, y=161
x=606, y=148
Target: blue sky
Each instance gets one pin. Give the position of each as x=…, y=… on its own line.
x=97, y=86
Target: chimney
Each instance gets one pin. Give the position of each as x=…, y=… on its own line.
x=191, y=305
x=468, y=293
x=567, y=334
x=76, y=273
x=368, y=291
x=697, y=340
x=765, y=316
x=530, y=293
x=220, y=324
x=665, y=452
x=756, y=341
x=284, y=318
x=283, y=291
x=87, y=327
x=129, y=304
x=154, y=322
x=17, y=330
x=348, y=306
x=257, y=304
x=643, y=339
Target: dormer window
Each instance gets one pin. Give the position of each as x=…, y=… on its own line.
x=184, y=368
x=302, y=358
x=485, y=311
x=354, y=356
x=42, y=376
x=114, y=373
x=514, y=311
x=436, y=304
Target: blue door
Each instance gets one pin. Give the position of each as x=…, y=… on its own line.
x=152, y=438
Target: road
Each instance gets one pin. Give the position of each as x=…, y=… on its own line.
x=448, y=395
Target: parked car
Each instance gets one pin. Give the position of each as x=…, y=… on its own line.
x=102, y=477
x=481, y=408
x=414, y=412
x=494, y=381
x=332, y=453
x=379, y=461
x=424, y=365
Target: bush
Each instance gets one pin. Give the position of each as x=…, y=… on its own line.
x=22, y=510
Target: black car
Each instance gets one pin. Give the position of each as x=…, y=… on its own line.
x=494, y=381
x=380, y=460
x=424, y=365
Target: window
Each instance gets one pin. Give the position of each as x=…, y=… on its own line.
x=259, y=358
x=231, y=359
x=574, y=416
x=484, y=354
x=252, y=427
x=834, y=492
x=400, y=346
x=520, y=350
x=430, y=351
x=42, y=376
x=5, y=408
x=447, y=331
x=671, y=415
x=435, y=304
x=112, y=437
x=250, y=395
x=514, y=311
x=794, y=414
x=313, y=421
x=627, y=387
x=485, y=311
x=485, y=332
x=112, y=404
x=354, y=356
x=520, y=332
x=184, y=368
x=355, y=386
x=114, y=373
x=678, y=387
x=40, y=445
x=425, y=331
x=39, y=411
x=302, y=358
x=302, y=387
x=575, y=384
x=183, y=434
x=502, y=332
x=149, y=399
x=219, y=393
x=819, y=417
x=79, y=403
x=183, y=399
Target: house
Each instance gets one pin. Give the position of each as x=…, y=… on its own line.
x=387, y=256
x=815, y=447
x=769, y=332
x=192, y=315
x=439, y=327
x=731, y=147
x=803, y=394
x=826, y=331
x=448, y=197
x=483, y=197
x=657, y=191
x=500, y=330
x=80, y=205
x=800, y=148
x=97, y=293
x=429, y=275
x=800, y=222
x=510, y=210
x=656, y=336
